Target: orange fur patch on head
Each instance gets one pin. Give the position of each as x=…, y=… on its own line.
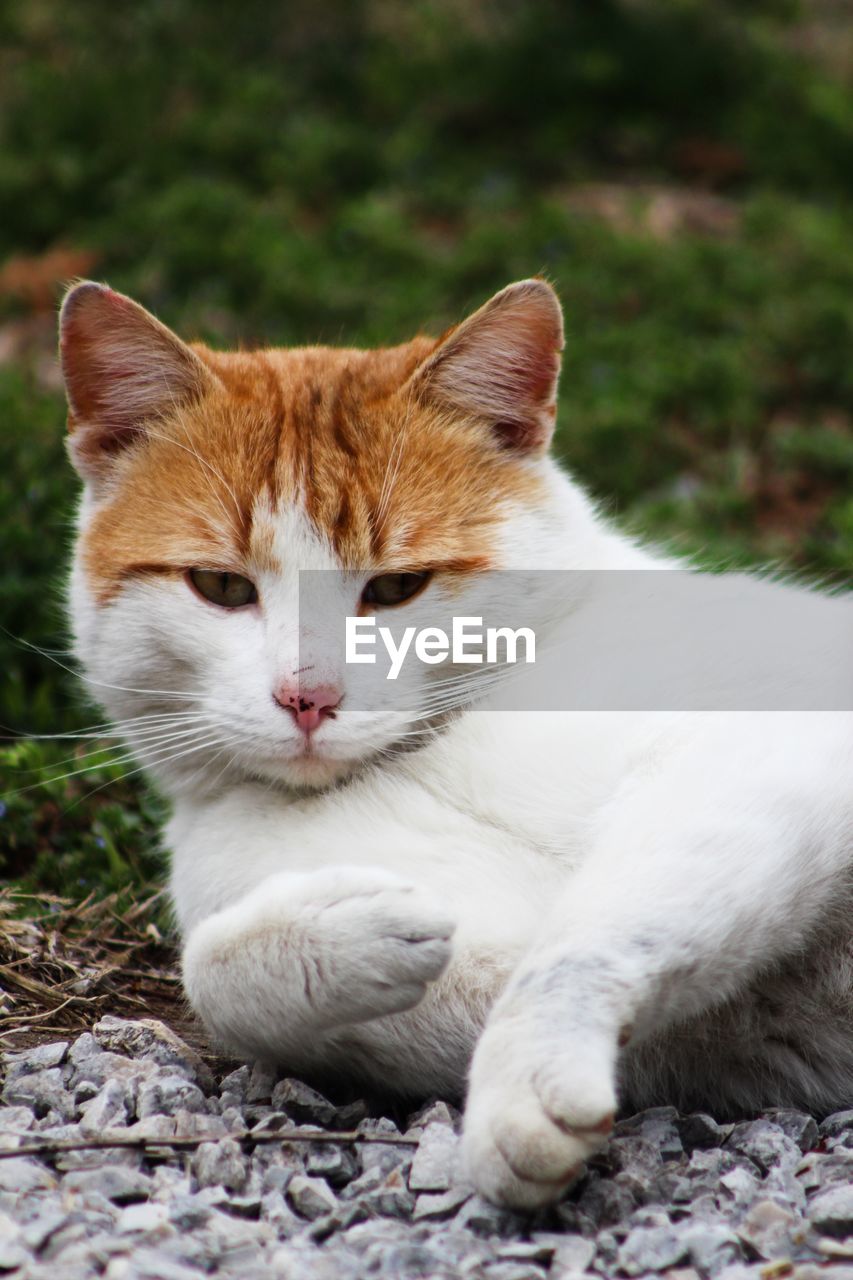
x=391, y=476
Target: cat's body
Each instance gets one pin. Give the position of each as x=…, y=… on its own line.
x=676, y=883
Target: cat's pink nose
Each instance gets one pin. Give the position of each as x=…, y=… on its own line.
x=309, y=706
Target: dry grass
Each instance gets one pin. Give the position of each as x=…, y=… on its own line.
x=64, y=965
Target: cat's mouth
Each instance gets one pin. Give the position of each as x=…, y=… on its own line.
x=312, y=767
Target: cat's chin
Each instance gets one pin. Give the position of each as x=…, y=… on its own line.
x=313, y=772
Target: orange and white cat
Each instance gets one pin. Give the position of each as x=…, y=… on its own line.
x=563, y=909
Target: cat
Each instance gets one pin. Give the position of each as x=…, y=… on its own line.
x=564, y=910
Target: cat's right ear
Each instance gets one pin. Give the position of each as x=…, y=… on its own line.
x=123, y=372
x=501, y=366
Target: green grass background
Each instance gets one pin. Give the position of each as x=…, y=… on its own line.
x=358, y=170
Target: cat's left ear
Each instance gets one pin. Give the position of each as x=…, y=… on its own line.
x=502, y=365
x=123, y=372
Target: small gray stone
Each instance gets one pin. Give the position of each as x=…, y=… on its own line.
x=42, y=1092
x=635, y=1156
x=188, y=1211
x=651, y=1249
x=659, y=1126
x=441, y=1204
x=83, y=1048
x=303, y=1104
x=167, y=1181
x=22, y=1174
x=376, y=1126
x=392, y=1199
x=40, y=1058
x=36, y=1233
x=149, y=1264
x=236, y=1085
x=838, y=1122
x=368, y=1181
x=713, y=1247
x=108, y=1109
x=99, y=1068
x=434, y=1113
x=350, y=1115
x=513, y=1271
x=220, y=1163
x=541, y=1250
x=164, y=1095
x=16, y=1119
x=150, y=1039
x=766, y=1229
x=302, y=1265
x=486, y=1219
x=700, y=1130
x=606, y=1202
x=435, y=1159
x=114, y=1182
x=261, y=1083
x=277, y=1212
x=272, y=1121
x=152, y=1127
x=337, y=1164
x=571, y=1253
x=783, y=1186
x=765, y=1144
x=741, y=1185
x=831, y=1212
x=311, y=1197
x=799, y=1126
x=144, y=1219
x=192, y=1124
x=12, y=1256
x=377, y=1155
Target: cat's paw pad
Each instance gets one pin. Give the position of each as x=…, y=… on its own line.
x=533, y=1117
x=380, y=941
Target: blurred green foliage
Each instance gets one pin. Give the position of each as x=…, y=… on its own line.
x=361, y=169
x=74, y=822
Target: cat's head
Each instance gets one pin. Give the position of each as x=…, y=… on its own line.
x=212, y=479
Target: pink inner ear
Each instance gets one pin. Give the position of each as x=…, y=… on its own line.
x=519, y=435
x=502, y=364
x=122, y=370
x=121, y=366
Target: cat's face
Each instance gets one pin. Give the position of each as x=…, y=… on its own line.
x=212, y=480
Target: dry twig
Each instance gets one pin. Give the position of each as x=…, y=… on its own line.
x=154, y=1145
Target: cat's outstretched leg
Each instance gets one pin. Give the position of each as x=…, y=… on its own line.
x=305, y=953
x=698, y=879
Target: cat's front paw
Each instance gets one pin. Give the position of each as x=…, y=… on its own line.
x=306, y=953
x=372, y=943
x=537, y=1108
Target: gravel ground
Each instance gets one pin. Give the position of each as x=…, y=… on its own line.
x=674, y=1195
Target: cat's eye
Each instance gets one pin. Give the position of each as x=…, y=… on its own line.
x=394, y=588
x=228, y=590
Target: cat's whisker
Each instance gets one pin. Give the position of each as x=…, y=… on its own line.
x=389, y=478
x=159, y=435
x=103, y=684
x=109, y=728
x=110, y=763
x=228, y=763
x=162, y=733
x=463, y=692
x=177, y=694
x=140, y=769
x=164, y=755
